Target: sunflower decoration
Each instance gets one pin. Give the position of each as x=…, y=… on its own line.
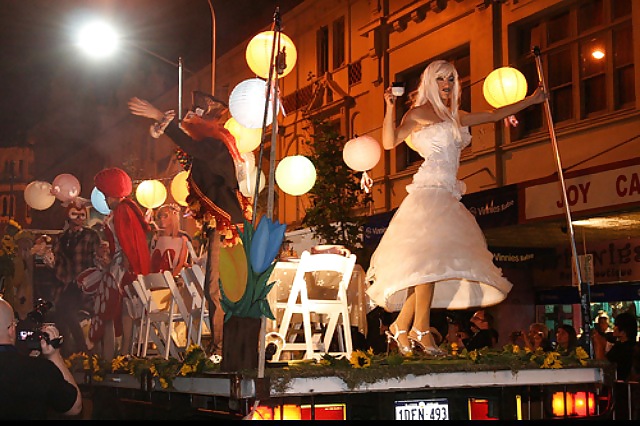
x=360, y=359
x=91, y=365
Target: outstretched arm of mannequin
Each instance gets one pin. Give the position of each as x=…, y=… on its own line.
x=475, y=118
x=144, y=109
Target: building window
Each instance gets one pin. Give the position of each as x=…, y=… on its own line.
x=338, y=43
x=461, y=59
x=322, y=50
x=586, y=51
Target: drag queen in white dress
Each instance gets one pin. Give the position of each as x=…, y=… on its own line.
x=433, y=254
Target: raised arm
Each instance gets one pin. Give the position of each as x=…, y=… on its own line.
x=145, y=109
x=392, y=136
x=475, y=118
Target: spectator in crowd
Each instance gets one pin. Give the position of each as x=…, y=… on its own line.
x=455, y=330
x=566, y=339
x=625, y=331
x=74, y=251
x=24, y=266
x=31, y=386
x=603, y=328
x=536, y=337
x=483, y=335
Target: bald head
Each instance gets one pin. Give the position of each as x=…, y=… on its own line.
x=7, y=332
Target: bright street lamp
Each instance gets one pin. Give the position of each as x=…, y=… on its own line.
x=98, y=40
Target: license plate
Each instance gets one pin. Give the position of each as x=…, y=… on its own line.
x=429, y=409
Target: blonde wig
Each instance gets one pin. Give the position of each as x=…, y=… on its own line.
x=428, y=92
x=173, y=211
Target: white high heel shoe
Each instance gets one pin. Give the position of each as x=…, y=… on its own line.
x=415, y=337
x=405, y=350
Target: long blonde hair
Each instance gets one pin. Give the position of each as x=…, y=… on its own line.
x=173, y=211
x=428, y=92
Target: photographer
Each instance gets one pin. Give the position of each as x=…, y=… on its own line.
x=31, y=386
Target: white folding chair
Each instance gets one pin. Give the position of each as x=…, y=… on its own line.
x=160, y=318
x=135, y=309
x=193, y=278
x=313, y=271
x=147, y=335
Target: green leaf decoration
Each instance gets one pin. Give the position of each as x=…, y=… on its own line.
x=253, y=303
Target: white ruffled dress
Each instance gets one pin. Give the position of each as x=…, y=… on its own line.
x=432, y=237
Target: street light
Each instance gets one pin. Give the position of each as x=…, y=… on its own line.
x=99, y=39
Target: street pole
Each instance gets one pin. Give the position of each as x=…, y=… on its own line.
x=213, y=49
x=583, y=287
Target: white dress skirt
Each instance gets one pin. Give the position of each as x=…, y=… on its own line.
x=432, y=238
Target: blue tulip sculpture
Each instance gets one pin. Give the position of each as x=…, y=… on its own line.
x=261, y=246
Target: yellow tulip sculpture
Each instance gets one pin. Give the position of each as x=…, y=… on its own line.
x=246, y=267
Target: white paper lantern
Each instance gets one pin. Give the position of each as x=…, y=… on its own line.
x=38, y=195
x=259, y=53
x=180, y=188
x=248, y=184
x=362, y=153
x=151, y=193
x=295, y=175
x=247, y=139
x=99, y=202
x=504, y=86
x=247, y=101
x=65, y=187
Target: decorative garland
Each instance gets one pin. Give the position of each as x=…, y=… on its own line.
x=361, y=368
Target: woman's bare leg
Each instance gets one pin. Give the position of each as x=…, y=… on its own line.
x=404, y=320
x=422, y=318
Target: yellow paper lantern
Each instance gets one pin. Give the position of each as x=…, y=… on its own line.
x=362, y=153
x=247, y=139
x=504, y=86
x=295, y=175
x=151, y=193
x=179, y=188
x=409, y=143
x=38, y=195
x=259, y=53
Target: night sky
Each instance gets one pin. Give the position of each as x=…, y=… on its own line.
x=37, y=42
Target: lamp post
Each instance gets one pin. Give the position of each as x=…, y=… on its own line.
x=213, y=48
x=98, y=40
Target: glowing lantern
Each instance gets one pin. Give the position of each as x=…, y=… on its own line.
x=361, y=153
x=151, y=193
x=246, y=103
x=504, y=86
x=409, y=143
x=246, y=139
x=38, y=195
x=576, y=404
x=295, y=175
x=248, y=184
x=259, y=53
x=65, y=187
x=99, y=202
x=179, y=188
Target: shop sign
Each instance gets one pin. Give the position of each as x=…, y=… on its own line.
x=600, y=190
x=610, y=262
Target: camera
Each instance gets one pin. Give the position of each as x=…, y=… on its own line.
x=30, y=330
